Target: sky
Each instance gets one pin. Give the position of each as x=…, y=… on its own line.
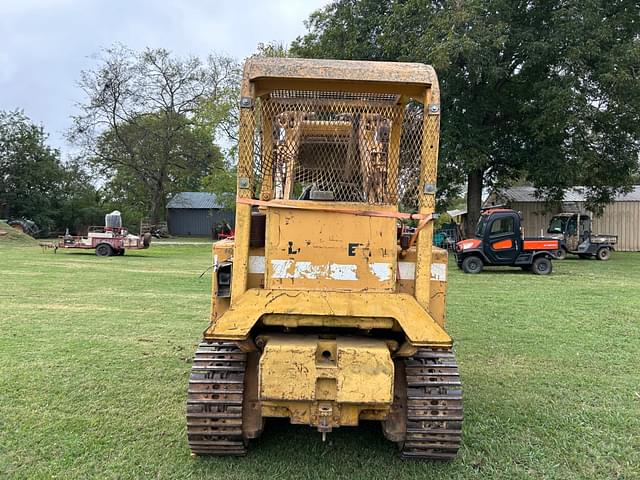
x=44, y=44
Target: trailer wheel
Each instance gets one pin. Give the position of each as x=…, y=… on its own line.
x=603, y=254
x=472, y=264
x=104, y=250
x=541, y=266
x=561, y=254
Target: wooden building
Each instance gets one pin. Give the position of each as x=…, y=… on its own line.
x=621, y=218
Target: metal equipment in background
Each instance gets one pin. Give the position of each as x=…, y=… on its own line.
x=25, y=225
x=157, y=230
x=112, y=239
x=573, y=230
x=499, y=240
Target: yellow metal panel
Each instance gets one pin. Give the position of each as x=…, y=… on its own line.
x=241, y=251
x=222, y=252
x=295, y=321
x=365, y=372
x=437, y=302
x=344, y=370
x=336, y=75
x=426, y=200
x=310, y=250
x=288, y=370
x=243, y=212
x=438, y=284
x=438, y=290
x=350, y=70
x=306, y=413
x=419, y=327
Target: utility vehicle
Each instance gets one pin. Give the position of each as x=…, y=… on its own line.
x=574, y=232
x=499, y=241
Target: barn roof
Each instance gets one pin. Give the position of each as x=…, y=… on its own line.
x=576, y=194
x=194, y=200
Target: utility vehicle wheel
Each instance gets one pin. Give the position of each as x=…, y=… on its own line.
x=472, y=265
x=603, y=254
x=104, y=250
x=561, y=254
x=541, y=266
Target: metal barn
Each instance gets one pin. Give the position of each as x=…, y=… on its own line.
x=196, y=213
x=621, y=218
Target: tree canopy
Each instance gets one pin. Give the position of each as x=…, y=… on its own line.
x=35, y=184
x=150, y=157
x=29, y=169
x=538, y=91
x=149, y=123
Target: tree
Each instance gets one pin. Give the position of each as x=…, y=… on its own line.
x=36, y=185
x=142, y=164
x=30, y=171
x=149, y=121
x=78, y=204
x=272, y=49
x=541, y=91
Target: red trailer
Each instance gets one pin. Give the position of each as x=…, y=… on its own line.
x=112, y=239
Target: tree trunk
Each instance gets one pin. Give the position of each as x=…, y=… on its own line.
x=474, y=201
x=157, y=204
x=156, y=208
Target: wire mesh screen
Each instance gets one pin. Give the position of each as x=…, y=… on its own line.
x=347, y=147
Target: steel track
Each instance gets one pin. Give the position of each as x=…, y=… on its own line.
x=216, y=388
x=434, y=405
x=214, y=400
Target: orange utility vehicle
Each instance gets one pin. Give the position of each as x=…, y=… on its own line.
x=499, y=240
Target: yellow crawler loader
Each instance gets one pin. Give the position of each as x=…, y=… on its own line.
x=326, y=308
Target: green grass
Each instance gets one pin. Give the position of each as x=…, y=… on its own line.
x=95, y=355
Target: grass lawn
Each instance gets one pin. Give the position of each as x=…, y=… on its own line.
x=95, y=356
